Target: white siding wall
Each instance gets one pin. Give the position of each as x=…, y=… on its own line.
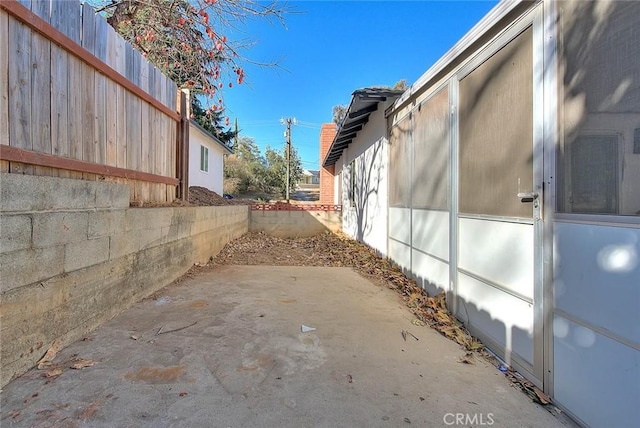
x=213, y=179
x=597, y=322
x=366, y=219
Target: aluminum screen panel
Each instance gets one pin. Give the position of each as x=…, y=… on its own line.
x=431, y=183
x=400, y=153
x=496, y=132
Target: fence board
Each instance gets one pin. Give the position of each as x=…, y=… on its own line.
x=4, y=78
x=19, y=90
x=111, y=116
x=153, y=118
x=70, y=18
x=61, y=14
x=74, y=108
x=40, y=84
x=25, y=3
x=161, y=137
x=59, y=101
x=133, y=106
x=88, y=86
x=42, y=9
x=88, y=112
x=144, y=137
x=153, y=141
x=100, y=121
x=145, y=116
x=121, y=117
x=171, y=193
x=88, y=35
x=172, y=147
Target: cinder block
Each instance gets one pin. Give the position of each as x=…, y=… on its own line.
x=31, y=193
x=177, y=231
x=122, y=244
x=15, y=232
x=183, y=214
x=28, y=266
x=147, y=218
x=50, y=229
x=90, y=252
x=105, y=222
x=148, y=238
x=110, y=195
x=157, y=218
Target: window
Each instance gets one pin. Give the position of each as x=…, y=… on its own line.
x=204, y=159
x=352, y=182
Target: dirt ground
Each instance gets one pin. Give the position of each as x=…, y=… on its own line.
x=202, y=196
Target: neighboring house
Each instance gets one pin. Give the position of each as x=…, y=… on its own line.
x=315, y=179
x=206, y=159
x=511, y=181
x=310, y=177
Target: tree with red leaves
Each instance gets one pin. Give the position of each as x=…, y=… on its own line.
x=186, y=39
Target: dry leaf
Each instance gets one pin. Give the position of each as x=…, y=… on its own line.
x=466, y=358
x=53, y=373
x=81, y=363
x=45, y=361
x=542, y=397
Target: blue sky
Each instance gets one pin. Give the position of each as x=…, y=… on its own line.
x=331, y=48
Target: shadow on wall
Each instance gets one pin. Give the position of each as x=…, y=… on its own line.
x=364, y=190
x=597, y=267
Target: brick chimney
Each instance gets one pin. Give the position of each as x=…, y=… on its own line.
x=327, y=134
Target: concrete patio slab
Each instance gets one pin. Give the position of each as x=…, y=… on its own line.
x=225, y=349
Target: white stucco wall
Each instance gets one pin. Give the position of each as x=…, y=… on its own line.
x=212, y=179
x=366, y=219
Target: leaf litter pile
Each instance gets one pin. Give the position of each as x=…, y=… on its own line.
x=339, y=250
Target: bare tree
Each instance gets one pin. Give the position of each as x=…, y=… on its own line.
x=339, y=113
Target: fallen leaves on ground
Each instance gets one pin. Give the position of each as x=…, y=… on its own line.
x=529, y=388
x=339, y=250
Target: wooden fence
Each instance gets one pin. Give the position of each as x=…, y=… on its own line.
x=78, y=101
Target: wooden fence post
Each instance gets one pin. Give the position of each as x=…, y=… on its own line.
x=182, y=147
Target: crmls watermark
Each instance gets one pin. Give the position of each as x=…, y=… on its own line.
x=473, y=419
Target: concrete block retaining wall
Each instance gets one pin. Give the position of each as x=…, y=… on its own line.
x=73, y=255
x=292, y=224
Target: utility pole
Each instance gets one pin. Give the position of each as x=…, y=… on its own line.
x=288, y=121
x=235, y=137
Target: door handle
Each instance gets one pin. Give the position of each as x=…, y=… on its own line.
x=528, y=196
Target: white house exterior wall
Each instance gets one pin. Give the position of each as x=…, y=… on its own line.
x=213, y=179
x=366, y=219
